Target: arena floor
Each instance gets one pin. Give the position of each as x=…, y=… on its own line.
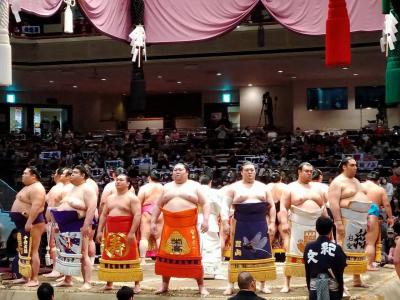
x=384, y=284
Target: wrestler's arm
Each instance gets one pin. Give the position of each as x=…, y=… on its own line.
x=136, y=213
x=206, y=208
x=37, y=196
x=285, y=203
x=157, y=209
x=141, y=195
x=90, y=199
x=227, y=199
x=102, y=220
x=388, y=208
x=272, y=211
x=396, y=258
x=104, y=195
x=334, y=194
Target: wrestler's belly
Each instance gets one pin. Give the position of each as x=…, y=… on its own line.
x=308, y=205
x=179, y=204
x=66, y=206
x=360, y=197
x=119, y=212
x=249, y=200
x=19, y=206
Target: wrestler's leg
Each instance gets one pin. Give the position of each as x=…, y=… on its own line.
x=160, y=223
x=165, y=285
x=371, y=238
x=264, y=288
x=357, y=282
x=202, y=289
x=144, y=236
x=86, y=265
x=92, y=247
x=137, y=288
x=286, y=285
x=52, y=244
x=229, y=290
x=284, y=237
x=36, y=235
x=108, y=286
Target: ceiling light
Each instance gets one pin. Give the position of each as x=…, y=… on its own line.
x=355, y=74
x=250, y=84
x=310, y=110
x=159, y=76
x=103, y=79
x=345, y=68
x=179, y=82
x=280, y=71
x=218, y=74
x=51, y=81
x=293, y=77
x=75, y=86
x=170, y=92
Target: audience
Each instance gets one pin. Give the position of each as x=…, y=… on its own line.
x=45, y=291
x=125, y=293
x=247, y=286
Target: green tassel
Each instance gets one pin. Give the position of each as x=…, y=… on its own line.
x=385, y=6
x=393, y=80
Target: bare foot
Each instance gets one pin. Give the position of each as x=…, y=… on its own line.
x=85, y=287
x=63, y=284
x=19, y=281
x=228, y=291
x=361, y=285
x=52, y=274
x=203, y=292
x=32, y=283
x=143, y=261
x=108, y=286
x=285, y=289
x=265, y=290
x=162, y=291
x=60, y=279
x=137, y=289
x=372, y=268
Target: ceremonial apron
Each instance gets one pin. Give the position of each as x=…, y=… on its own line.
x=302, y=231
x=251, y=247
x=68, y=242
x=179, y=253
x=119, y=259
x=355, y=224
x=210, y=243
x=24, y=244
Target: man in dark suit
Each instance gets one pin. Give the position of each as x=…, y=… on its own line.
x=324, y=261
x=247, y=286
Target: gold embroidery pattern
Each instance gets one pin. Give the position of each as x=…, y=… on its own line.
x=309, y=236
x=176, y=244
x=116, y=245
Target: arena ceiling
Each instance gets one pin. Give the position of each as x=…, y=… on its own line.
x=189, y=75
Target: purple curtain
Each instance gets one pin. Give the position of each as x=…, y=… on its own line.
x=309, y=16
x=41, y=7
x=169, y=21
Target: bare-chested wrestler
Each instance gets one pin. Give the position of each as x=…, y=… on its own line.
x=179, y=252
x=350, y=206
x=53, y=199
x=276, y=187
x=377, y=195
x=27, y=213
x=76, y=209
x=148, y=196
x=251, y=235
x=110, y=188
x=119, y=220
x=306, y=204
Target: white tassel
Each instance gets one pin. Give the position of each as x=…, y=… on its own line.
x=389, y=33
x=68, y=17
x=16, y=8
x=47, y=257
x=5, y=47
x=138, y=43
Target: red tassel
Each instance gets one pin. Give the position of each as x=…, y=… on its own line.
x=337, y=39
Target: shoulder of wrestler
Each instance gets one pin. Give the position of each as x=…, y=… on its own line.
x=37, y=187
x=88, y=188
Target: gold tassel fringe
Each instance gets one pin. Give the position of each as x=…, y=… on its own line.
x=262, y=270
x=378, y=253
x=25, y=269
x=120, y=271
x=294, y=270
